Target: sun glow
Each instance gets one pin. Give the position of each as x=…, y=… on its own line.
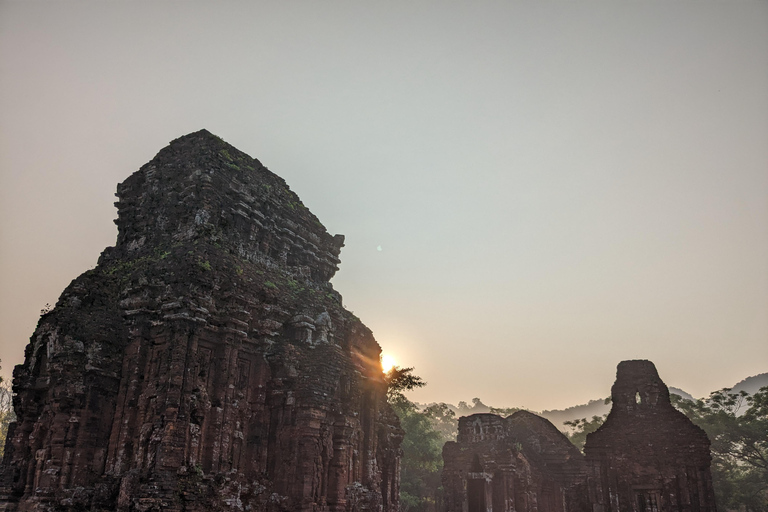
x=387, y=363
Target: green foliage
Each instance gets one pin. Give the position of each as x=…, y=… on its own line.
x=295, y=204
x=739, y=439
x=294, y=286
x=582, y=427
x=205, y=265
x=399, y=380
x=122, y=266
x=444, y=421
x=6, y=413
x=422, y=461
x=270, y=284
x=125, y=267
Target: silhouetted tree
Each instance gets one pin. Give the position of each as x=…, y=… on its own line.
x=399, y=380
x=422, y=461
x=443, y=420
x=6, y=413
x=582, y=427
x=737, y=426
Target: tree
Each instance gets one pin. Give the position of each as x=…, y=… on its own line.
x=6, y=413
x=582, y=427
x=737, y=426
x=399, y=380
x=443, y=420
x=422, y=460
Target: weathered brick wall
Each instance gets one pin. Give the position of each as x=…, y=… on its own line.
x=519, y=463
x=206, y=363
x=648, y=455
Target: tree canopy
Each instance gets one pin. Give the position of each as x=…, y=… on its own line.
x=6, y=413
x=737, y=426
x=422, y=461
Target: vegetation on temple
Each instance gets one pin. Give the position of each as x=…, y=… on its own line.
x=206, y=361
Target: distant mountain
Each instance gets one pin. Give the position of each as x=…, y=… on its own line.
x=592, y=408
x=680, y=393
x=751, y=384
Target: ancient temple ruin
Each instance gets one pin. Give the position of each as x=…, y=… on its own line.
x=646, y=457
x=206, y=363
x=519, y=463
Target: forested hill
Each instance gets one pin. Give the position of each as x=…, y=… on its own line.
x=751, y=384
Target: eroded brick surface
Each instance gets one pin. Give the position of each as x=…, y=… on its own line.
x=206, y=363
x=518, y=463
x=647, y=457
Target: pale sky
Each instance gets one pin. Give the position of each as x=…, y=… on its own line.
x=530, y=191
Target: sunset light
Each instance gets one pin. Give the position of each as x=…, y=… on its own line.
x=387, y=362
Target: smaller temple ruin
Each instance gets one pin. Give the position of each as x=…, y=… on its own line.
x=646, y=457
x=511, y=464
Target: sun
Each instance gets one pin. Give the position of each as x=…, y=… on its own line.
x=387, y=363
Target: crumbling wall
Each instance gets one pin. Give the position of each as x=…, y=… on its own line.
x=206, y=363
x=648, y=456
x=519, y=463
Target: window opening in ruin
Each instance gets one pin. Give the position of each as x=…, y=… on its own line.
x=476, y=487
x=638, y=399
x=647, y=502
x=476, y=495
x=498, y=493
x=477, y=466
x=243, y=373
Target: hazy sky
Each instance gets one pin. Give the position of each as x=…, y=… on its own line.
x=554, y=187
